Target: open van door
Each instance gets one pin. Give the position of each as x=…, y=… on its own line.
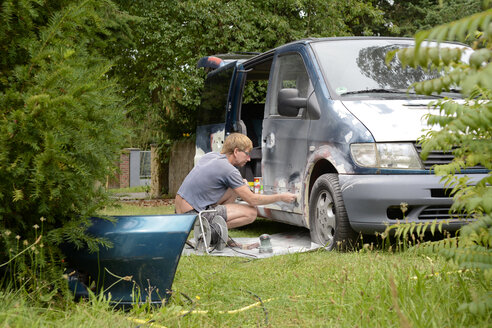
x=213, y=111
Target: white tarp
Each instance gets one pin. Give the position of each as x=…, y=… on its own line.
x=282, y=243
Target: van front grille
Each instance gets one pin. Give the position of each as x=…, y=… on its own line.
x=425, y=213
x=440, y=212
x=439, y=157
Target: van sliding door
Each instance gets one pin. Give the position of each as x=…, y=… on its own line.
x=285, y=130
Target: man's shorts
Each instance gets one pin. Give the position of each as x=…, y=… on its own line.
x=220, y=210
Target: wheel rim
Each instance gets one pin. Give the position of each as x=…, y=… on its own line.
x=325, y=218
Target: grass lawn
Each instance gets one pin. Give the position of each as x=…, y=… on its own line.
x=131, y=209
x=317, y=289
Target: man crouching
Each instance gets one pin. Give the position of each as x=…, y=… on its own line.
x=215, y=183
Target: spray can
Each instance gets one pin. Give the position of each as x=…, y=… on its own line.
x=257, y=185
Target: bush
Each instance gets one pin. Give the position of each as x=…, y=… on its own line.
x=60, y=116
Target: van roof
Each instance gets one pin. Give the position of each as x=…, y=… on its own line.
x=220, y=60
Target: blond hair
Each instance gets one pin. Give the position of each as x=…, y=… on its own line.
x=236, y=140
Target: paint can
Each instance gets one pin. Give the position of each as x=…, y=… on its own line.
x=265, y=244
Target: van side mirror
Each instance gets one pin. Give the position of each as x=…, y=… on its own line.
x=289, y=102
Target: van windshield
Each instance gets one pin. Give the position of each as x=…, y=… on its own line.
x=358, y=68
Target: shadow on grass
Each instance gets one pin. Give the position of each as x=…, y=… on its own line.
x=261, y=226
x=395, y=244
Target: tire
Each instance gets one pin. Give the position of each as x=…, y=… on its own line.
x=328, y=219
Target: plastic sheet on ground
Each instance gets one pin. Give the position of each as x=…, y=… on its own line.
x=282, y=243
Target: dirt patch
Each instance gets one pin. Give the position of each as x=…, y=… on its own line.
x=149, y=202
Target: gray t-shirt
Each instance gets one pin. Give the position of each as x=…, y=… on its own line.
x=208, y=181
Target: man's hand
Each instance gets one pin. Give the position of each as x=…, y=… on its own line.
x=288, y=197
x=259, y=199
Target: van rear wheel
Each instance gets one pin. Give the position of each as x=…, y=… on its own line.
x=328, y=220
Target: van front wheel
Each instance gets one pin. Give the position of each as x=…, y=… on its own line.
x=328, y=220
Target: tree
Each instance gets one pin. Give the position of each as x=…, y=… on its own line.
x=160, y=75
x=405, y=18
x=60, y=116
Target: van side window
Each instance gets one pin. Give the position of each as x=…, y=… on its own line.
x=212, y=108
x=252, y=110
x=290, y=73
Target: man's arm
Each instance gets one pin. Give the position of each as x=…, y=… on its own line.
x=258, y=199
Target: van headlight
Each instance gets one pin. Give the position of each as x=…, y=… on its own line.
x=386, y=155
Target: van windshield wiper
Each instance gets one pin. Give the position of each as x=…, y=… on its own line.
x=399, y=91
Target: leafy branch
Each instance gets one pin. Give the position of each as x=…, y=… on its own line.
x=463, y=127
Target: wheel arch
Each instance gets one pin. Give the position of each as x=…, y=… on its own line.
x=325, y=159
x=321, y=167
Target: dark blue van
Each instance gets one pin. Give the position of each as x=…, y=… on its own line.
x=331, y=122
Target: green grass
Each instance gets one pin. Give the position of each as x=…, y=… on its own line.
x=324, y=289
x=126, y=209
x=129, y=190
x=15, y=311
x=316, y=289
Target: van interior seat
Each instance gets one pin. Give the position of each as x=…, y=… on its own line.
x=252, y=116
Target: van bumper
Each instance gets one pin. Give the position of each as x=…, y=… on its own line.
x=374, y=201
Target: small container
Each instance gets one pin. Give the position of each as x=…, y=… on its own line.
x=251, y=186
x=265, y=244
